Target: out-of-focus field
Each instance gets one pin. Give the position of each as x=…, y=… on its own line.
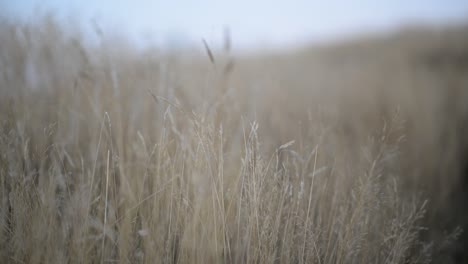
x=352, y=152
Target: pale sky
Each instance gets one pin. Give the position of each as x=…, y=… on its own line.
x=253, y=24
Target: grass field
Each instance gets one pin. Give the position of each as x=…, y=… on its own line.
x=350, y=152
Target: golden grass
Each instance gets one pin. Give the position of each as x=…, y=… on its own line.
x=343, y=154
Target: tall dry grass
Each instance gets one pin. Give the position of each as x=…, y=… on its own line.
x=344, y=154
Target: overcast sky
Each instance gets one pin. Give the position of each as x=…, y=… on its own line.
x=252, y=24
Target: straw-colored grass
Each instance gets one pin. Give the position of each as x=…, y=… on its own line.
x=350, y=153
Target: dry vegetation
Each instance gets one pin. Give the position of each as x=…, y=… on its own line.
x=350, y=153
